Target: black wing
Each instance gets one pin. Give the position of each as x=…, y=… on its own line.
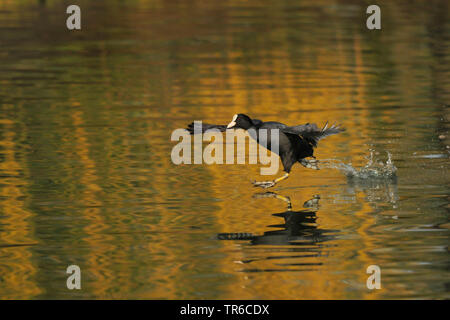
x=312, y=133
x=202, y=127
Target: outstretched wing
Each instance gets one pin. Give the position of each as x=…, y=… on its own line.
x=202, y=127
x=312, y=133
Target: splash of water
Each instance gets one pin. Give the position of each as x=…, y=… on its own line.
x=374, y=169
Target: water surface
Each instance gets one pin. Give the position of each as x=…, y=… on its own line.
x=86, y=176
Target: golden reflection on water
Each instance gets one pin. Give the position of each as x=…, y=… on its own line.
x=85, y=170
x=17, y=269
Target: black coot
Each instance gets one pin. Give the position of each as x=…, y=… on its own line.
x=295, y=142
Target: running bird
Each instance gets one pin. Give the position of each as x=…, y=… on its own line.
x=296, y=143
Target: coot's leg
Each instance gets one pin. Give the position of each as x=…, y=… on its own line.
x=268, y=184
x=312, y=164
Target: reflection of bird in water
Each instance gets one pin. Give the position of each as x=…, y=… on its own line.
x=299, y=228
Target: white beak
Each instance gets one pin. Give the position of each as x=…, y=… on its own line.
x=233, y=122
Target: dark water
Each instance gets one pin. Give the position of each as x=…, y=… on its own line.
x=86, y=176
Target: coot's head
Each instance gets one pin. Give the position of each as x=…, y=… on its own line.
x=241, y=121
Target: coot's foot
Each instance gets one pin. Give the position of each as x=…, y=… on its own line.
x=311, y=164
